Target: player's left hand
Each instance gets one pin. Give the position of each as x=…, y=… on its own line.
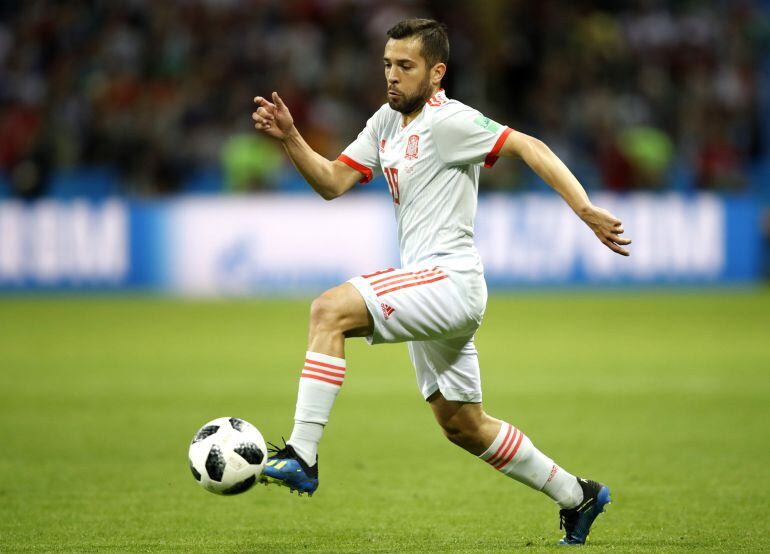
x=607, y=229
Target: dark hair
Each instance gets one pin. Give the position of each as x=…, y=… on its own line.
x=432, y=35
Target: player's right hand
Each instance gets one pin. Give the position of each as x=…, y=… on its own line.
x=272, y=118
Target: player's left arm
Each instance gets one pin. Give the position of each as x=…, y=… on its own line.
x=552, y=170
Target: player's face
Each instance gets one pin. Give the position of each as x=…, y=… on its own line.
x=410, y=81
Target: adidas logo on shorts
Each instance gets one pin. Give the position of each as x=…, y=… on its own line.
x=387, y=311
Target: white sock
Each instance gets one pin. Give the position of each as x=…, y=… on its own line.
x=319, y=385
x=514, y=454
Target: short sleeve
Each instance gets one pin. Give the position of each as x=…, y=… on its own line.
x=466, y=137
x=363, y=154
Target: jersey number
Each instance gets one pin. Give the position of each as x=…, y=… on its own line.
x=391, y=174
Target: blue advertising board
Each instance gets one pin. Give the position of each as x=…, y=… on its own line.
x=250, y=245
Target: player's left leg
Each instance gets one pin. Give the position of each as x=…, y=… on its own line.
x=504, y=447
x=510, y=451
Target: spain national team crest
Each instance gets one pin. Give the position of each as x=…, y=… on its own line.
x=382, y=145
x=412, y=147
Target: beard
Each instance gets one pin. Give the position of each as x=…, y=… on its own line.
x=410, y=104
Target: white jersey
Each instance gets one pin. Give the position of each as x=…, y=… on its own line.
x=432, y=168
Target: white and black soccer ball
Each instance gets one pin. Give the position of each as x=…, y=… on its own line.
x=227, y=455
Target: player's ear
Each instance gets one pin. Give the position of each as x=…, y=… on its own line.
x=437, y=73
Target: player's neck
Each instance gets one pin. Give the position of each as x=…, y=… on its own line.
x=406, y=119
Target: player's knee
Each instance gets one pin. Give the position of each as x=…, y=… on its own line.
x=326, y=313
x=453, y=433
x=460, y=432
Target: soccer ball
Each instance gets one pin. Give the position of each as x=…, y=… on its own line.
x=227, y=455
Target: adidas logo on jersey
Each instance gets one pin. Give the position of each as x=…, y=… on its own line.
x=387, y=311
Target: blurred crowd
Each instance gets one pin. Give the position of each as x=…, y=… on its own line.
x=642, y=94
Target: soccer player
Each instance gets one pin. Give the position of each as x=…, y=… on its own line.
x=431, y=149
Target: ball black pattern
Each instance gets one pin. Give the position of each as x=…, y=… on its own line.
x=241, y=487
x=237, y=423
x=215, y=464
x=195, y=472
x=205, y=432
x=250, y=452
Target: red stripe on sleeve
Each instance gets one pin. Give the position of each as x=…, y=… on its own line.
x=492, y=157
x=365, y=171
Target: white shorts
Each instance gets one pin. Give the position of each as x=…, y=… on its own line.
x=436, y=309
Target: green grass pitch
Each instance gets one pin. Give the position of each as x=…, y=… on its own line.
x=663, y=396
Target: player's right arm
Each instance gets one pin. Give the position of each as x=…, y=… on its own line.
x=329, y=179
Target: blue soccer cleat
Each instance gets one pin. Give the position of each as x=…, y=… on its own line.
x=577, y=521
x=287, y=469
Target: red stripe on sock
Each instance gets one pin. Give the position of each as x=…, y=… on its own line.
x=325, y=372
x=507, y=450
x=513, y=453
x=494, y=456
x=311, y=376
x=322, y=364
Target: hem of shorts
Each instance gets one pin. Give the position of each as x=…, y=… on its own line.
x=359, y=284
x=453, y=394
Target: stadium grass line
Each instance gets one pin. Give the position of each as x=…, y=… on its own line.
x=99, y=398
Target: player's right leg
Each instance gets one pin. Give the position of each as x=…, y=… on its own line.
x=336, y=314
x=391, y=305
